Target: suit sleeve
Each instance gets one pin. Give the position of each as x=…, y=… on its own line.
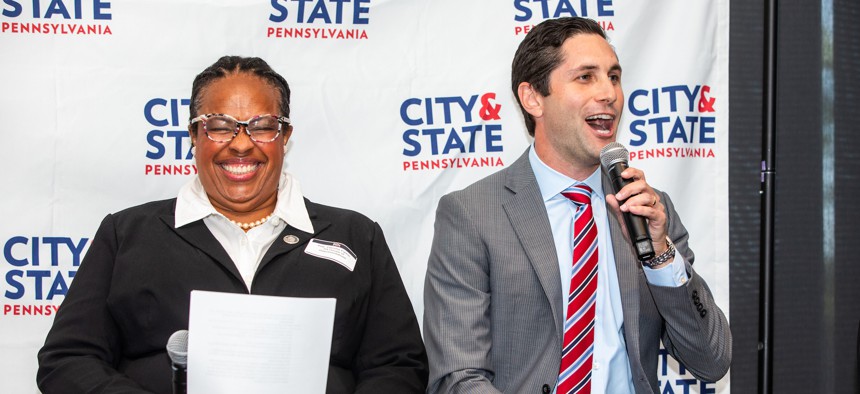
x=391, y=358
x=457, y=305
x=82, y=348
x=696, y=331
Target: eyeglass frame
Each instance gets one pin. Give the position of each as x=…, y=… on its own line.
x=202, y=118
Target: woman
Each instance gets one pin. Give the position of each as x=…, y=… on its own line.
x=241, y=226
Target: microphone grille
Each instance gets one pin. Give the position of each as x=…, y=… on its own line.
x=177, y=347
x=613, y=153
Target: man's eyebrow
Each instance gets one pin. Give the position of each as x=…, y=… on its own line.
x=592, y=67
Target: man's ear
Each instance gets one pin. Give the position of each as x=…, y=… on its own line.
x=531, y=99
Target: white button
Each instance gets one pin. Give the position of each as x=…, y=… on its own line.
x=683, y=280
x=596, y=366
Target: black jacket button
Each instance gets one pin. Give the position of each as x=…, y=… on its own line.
x=545, y=389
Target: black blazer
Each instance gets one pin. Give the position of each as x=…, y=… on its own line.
x=133, y=290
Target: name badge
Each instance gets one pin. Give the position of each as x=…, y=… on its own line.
x=333, y=251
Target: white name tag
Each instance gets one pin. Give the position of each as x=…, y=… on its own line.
x=334, y=251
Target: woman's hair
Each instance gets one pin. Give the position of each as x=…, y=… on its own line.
x=231, y=65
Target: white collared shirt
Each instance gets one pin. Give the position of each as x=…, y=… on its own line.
x=245, y=249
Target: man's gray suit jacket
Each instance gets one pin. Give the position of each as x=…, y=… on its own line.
x=493, y=310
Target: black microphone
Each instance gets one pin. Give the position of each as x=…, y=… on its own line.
x=613, y=157
x=177, y=349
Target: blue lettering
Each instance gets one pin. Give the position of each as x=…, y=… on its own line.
x=59, y=287
x=454, y=142
x=7, y=251
x=659, y=123
x=338, y=11
x=15, y=11
x=408, y=137
x=76, y=250
x=98, y=6
x=691, y=96
x=446, y=108
x=301, y=16
x=54, y=242
x=678, y=131
x=472, y=130
x=37, y=276
x=673, y=90
x=561, y=8
x=151, y=138
x=434, y=143
x=319, y=11
x=404, y=115
x=636, y=129
x=631, y=103
x=565, y=7
x=178, y=137
x=603, y=8
x=57, y=7
x=706, y=130
x=280, y=8
x=527, y=12
x=10, y=279
x=467, y=107
x=358, y=11
x=685, y=383
x=147, y=112
x=705, y=389
x=493, y=137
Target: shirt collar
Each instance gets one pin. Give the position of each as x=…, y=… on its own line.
x=552, y=182
x=192, y=204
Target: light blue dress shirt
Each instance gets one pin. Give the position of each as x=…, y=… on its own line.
x=611, y=368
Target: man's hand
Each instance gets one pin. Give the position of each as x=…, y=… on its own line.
x=641, y=200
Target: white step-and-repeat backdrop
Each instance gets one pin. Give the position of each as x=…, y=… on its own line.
x=395, y=103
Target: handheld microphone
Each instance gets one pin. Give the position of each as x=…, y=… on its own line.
x=613, y=158
x=177, y=349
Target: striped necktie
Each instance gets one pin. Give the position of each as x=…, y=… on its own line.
x=578, y=343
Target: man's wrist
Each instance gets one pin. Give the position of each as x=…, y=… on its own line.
x=663, y=257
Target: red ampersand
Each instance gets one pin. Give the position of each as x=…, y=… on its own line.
x=489, y=111
x=706, y=104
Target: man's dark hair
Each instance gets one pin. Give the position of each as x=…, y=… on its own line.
x=540, y=53
x=230, y=65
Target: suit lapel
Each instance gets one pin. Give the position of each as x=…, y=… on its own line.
x=527, y=214
x=628, y=273
x=199, y=236
x=292, y=238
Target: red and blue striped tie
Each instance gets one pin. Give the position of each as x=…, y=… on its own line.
x=578, y=343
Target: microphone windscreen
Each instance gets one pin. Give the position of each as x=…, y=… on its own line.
x=612, y=154
x=177, y=347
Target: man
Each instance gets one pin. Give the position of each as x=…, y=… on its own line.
x=522, y=294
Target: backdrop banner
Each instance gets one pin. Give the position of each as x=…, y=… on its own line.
x=395, y=103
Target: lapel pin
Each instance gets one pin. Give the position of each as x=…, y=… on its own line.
x=291, y=239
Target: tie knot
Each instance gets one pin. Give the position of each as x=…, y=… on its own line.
x=579, y=193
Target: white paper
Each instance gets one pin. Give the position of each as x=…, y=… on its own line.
x=240, y=343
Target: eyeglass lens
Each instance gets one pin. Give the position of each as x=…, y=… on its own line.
x=262, y=129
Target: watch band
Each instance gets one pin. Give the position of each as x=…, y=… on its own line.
x=663, y=257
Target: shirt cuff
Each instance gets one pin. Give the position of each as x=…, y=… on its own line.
x=672, y=275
